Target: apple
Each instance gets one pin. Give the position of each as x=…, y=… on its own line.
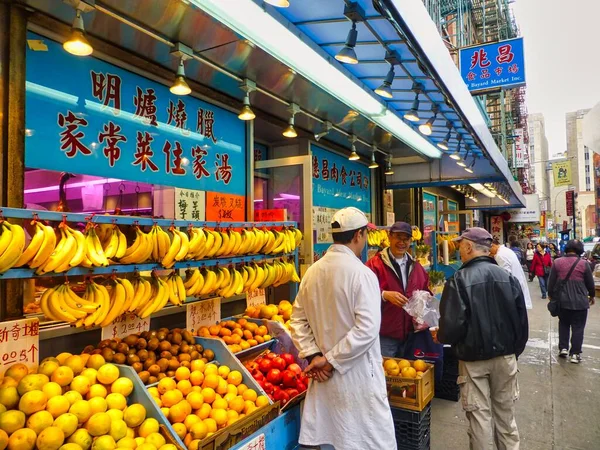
x=265, y=365
x=282, y=396
x=251, y=366
x=278, y=363
x=275, y=392
x=300, y=386
x=289, y=358
x=257, y=375
x=271, y=355
x=292, y=392
x=289, y=379
x=268, y=387
x=295, y=368
x=274, y=376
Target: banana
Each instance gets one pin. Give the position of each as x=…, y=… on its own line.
x=232, y=287
x=117, y=300
x=94, y=251
x=169, y=260
x=80, y=247
x=297, y=236
x=164, y=243
x=110, y=250
x=226, y=242
x=105, y=303
x=14, y=250
x=245, y=275
x=271, y=242
x=140, y=251
x=251, y=277
x=5, y=239
x=226, y=277
x=258, y=279
x=34, y=245
x=44, y=304
x=139, y=290
x=63, y=304
x=122, y=247
x=217, y=243
x=74, y=301
x=46, y=248
x=197, y=243
x=172, y=289
x=180, y=289
x=235, y=250
x=185, y=245
x=61, y=254
x=279, y=246
x=90, y=296
x=154, y=238
x=57, y=308
x=160, y=298
x=210, y=281
x=129, y=294
x=208, y=244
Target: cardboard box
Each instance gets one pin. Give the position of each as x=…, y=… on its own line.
x=411, y=393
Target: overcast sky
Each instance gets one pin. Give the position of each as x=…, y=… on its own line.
x=562, y=59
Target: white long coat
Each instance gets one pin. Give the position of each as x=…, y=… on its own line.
x=338, y=312
x=507, y=259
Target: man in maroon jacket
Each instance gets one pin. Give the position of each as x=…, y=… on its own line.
x=399, y=276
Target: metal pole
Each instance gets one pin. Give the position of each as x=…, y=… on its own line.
x=503, y=123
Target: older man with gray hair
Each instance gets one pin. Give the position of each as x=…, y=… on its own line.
x=483, y=317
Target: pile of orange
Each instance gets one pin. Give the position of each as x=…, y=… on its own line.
x=404, y=368
x=204, y=398
x=238, y=335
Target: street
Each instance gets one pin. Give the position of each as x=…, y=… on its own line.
x=559, y=406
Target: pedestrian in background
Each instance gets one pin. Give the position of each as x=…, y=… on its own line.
x=540, y=267
x=399, y=275
x=554, y=252
x=574, y=298
x=529, y=259
x=483, y=317
x=508, y=260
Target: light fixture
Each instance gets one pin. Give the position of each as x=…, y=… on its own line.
x=327, y=126
x=483, y=189
x=388, y=169
x=353, y=155
x=347, y=54
x=413, y=114
x=470, y=168
x=456, y=155
x=463, y=162
x=444, y=144
x=180, y=86
x=373, y=164
x=246, y=112
x=77, y=44
x=278, y=3
x=385, y=90
x=290, y=131
x=427, y=128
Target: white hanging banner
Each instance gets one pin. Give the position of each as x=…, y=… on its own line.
x=519, y=148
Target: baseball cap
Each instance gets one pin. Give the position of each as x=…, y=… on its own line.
x=476, y=234
x=348, y=219
x=401, y=227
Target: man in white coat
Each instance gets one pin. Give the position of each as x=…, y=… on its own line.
x=507, y=259
x=335, y=325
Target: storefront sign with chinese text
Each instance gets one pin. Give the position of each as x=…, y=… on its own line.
x=493, y=66
x=124, y=326
x=225, y=207
x=19, y=343
x=190, y=204
x=270, y=215
x=570, y=202
x=90, y=117
x=497, y=225
x=258, y=443
x=257, y=297
x=519, y=148
x=203, y=314
x=529, y=214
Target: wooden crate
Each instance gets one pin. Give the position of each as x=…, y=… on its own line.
x=411, y=393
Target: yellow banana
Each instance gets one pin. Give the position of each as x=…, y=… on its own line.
x=44, y=304
x=140, y=251
x=76, y=302
x=80, y=247
x=210, y=281
x=94, y=250
x=217, y=243
x=258, y=279
x=169, y=259
x=14, y=250
x=185, y=245
x=226, y=277
x=235, y=250
x=207, y=246
x=117, y=300
x=61, y=254
x=33, y=247
x=45, y=249
x=110, y=250
x=122, y=248
x=129, y=294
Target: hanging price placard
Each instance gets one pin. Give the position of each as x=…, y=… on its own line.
x=19, y=343
x=258, y=443
x=203, y=314
x=124, y=326
x=258, y=297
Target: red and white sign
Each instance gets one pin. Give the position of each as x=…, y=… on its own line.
x=203, y=314
x=257, y=297
x=124, y=326
x=519, y=149
x=19, y=343
x=270, y=215
x=497, y=225
x=258, y=443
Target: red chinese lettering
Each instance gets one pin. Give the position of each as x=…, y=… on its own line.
x=177, y=115
x=107, y=88
x=205, y=124
x=498, y=70
x=145, y=106
x=344, y=175
x=485, y=74
x=257, y=154
x=199, y=169
x=4, y=334
x=514, y=68
x=359, y=179
x=177, y=160
x=143, y=152
x=33, y=350
x=16, y=332
x=505, y=54
x=335, y=173
x=223, y=171
x=480, y=59
x=32, y=329
x=352, y=179
x=325, y=169
x=71, y=136
x=316, y=167
x=111, y=135
x=471, y=76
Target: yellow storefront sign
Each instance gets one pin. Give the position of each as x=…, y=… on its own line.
x=562, y=173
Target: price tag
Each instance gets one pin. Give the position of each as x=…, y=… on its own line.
x=124, y=326
x=203, y=314
x=19, y=343
x=255, y=298
x=258, y=443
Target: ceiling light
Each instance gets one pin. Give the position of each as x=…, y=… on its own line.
x=180, y=86
x=278, y=3
x=373, y=164
x=347, y=54
x=483, y=189
x=427, y=127
x=456, y=155
x=385, y=90
x=77, y=44
x=353, y=155
x=470, y=168
x=246, y=112
x=290, y=131
x=388, y=169
x=413, y=114
x=444, y=144
x=327, y=126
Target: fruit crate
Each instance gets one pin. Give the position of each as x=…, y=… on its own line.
x=411, y=393
x=413, y=429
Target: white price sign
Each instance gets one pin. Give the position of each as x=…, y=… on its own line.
x=258, y=443
x=124, y=326
x=203, y=314
x=190, y=204
x=19, y=343
x=257, y=297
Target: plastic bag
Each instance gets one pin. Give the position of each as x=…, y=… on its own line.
x=424, y=309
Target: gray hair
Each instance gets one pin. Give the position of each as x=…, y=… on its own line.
x=481, y=248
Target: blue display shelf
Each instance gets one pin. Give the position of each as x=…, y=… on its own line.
x=280, y=434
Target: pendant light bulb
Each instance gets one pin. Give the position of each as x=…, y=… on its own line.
x=385, y=90
x=77, y=44
x=180, y=86
x=389, y=170
x=456, y=155
x=413, y=114
x=373, y=164
x=278, y=3
x=347, y=54
x=353, y=155
x=427, y=128
x=290, y=131
x=444, y=144
x=246, y=113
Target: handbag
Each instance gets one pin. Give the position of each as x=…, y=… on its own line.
x=547, y=271
x=554, y=303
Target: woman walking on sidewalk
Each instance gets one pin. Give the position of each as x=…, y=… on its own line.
x=575, y=298
x=529, y=259
x=540, y=267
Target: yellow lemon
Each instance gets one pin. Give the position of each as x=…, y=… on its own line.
x=115, y=414
x=147, y=446
x=58, y=406
x=23, y=439
x=123, y=386
x=134, y=415
x=69, y=446
x=139, y=440
x=116, y=401
x=40, y=421
x=250, y=395
x=242, y=388
x=237, y=404
x=108, y=374
x=48, y=367
x=80, y=384
x=223, y=371
x=91, y=375
x=261, y=400
x=32, y=402
x=52, y=390
x=199, y=430
x=82, y=438
x=234, y=377
x=127, y=442
x=67, y=422
x=222, y=388
x=82, y=410
x=9, y=397
x=50, y=439
x=11, y=421
x=104, y=443
x=98, y=404
x=32, y=382
x=62, y=357
x=98, y=424
x=97, y=390
x=148, y=427
x=118, y=429
x=95, y=361
x=168, y=447
x=156, y=439
x=72, y=396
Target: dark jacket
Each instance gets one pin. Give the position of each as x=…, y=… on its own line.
x=539, y=262
x=483, y=313
x=580, y=286
x=395, y=322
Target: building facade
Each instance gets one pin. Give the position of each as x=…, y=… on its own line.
x=539, y=177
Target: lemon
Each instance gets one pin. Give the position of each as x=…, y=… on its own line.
x=48, y=367
x=118, y=429
x=9, y=397
x=108, y=374
x=91, y=375
x=62, y=357
x=168, y=447
x=115, y=414
x=116, y=400
x=39, y=421
x=134, y=415
x=122, y=386
x=52, y=390
x=80, y=384
x=127, y=442
x=156, y=439
x=73, y=396
x=146, y=446
x=58, y=405
x=32, y=402
x=11, y=421
x=23, y=439
x=4, y=439
x=104, y=443
x=81, y=409
x=82, y=438
x=67, y=422
x=96, y=390
x=98, y=404
x=33, y=382
x=148, y=426
x=50, y=439
x=99, y=424
x=70, y=446
x=139, y=440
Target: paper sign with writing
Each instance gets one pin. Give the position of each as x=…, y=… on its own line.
x=225, y=207
x=204, y=313
x=270, y=215
x=390, y=218
x=257, y=297
x=124, y=326
x=19, y=343
x=190, y=204
x=258, y=443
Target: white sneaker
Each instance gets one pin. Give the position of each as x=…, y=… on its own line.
x=576, y=358
x=563, y=353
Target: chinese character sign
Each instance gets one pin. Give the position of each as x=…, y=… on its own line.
x=91, y=117
x=519, y=148
x=256, y=298
x=225, y=207
x=19, y=343
x=124, y=326
x=562, y=173
x=493, y=66
x=203, y=314
x=258, y=443
x=190, y=204
x=497, y=225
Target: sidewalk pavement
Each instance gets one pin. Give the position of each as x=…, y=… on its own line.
x=559, y=408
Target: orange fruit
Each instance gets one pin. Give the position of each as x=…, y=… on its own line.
x=209, y=395
x=238, y=332
x=235, y=377
x=403, y=363
x=197, y=364
x=252, y=342
x=191, y=420
x=231, y=389
x=227, y=339
x=180, y=429
x=166, y=384
x=196, y=377
x=211, y=425
x=248, y=334
x=220, y=403
x=199, y=430
x=211, y=381
x=261, y=331
x=203, y=332
x=185, y=387
x=237, y=404
x=222, y=387
x=259, y=339
x=195, y=399
x=225, y=332
x=408, y=372
x=219, y=416
x=262, y=400
x=249, y=395
x=214, y=330
x=171, y=398
x=178, y=412
x=244, y=345
x=182, y=373
x=211, y=368
x=249, y=407
x=204, y=411
x=420, y=365
x=242, y=388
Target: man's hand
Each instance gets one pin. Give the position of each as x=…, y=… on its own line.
x=395, y=298
x=319, y=369
x=592, y=301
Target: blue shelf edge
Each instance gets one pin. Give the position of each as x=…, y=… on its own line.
x=282, y=433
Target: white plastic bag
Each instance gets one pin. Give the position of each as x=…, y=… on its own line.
x=424, y=309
